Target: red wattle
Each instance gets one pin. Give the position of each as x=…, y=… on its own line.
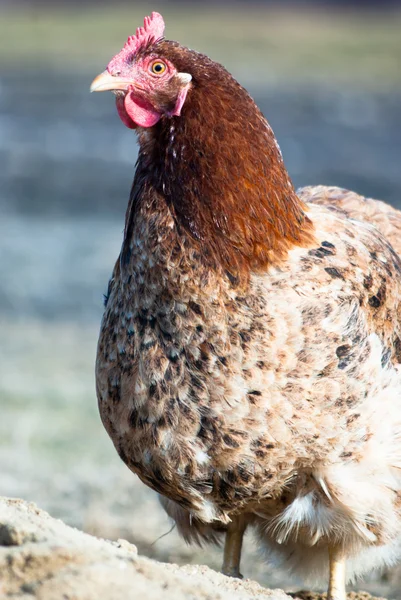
x=140, y=112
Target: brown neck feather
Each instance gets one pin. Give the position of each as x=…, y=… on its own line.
x=220, y=170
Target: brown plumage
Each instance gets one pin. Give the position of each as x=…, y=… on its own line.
x=247, y=365
x=258, y=216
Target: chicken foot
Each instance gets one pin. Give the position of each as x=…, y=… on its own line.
x=233, y=545
x=336, y=589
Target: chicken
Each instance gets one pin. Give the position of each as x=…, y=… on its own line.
x=248, y=360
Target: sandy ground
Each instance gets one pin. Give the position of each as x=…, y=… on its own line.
x=42, y=557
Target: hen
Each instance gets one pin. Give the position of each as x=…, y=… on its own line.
x=248, y=360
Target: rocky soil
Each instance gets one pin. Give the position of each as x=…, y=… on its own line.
x=43, y=558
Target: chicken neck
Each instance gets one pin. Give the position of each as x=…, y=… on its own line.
x=220, y=172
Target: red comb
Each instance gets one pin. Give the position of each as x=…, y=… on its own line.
x=152, y=30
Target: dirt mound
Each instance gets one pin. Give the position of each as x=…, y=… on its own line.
x=44, y=558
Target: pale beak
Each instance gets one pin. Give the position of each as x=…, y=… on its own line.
x=106, y=82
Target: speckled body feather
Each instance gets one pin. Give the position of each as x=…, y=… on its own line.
x=248, y=359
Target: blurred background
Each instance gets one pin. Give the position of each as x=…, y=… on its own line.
x=328, y=77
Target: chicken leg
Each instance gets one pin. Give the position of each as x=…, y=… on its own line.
x=336, y=589
x=233, y=545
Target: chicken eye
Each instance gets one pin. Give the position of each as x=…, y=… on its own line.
x=158, y=67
